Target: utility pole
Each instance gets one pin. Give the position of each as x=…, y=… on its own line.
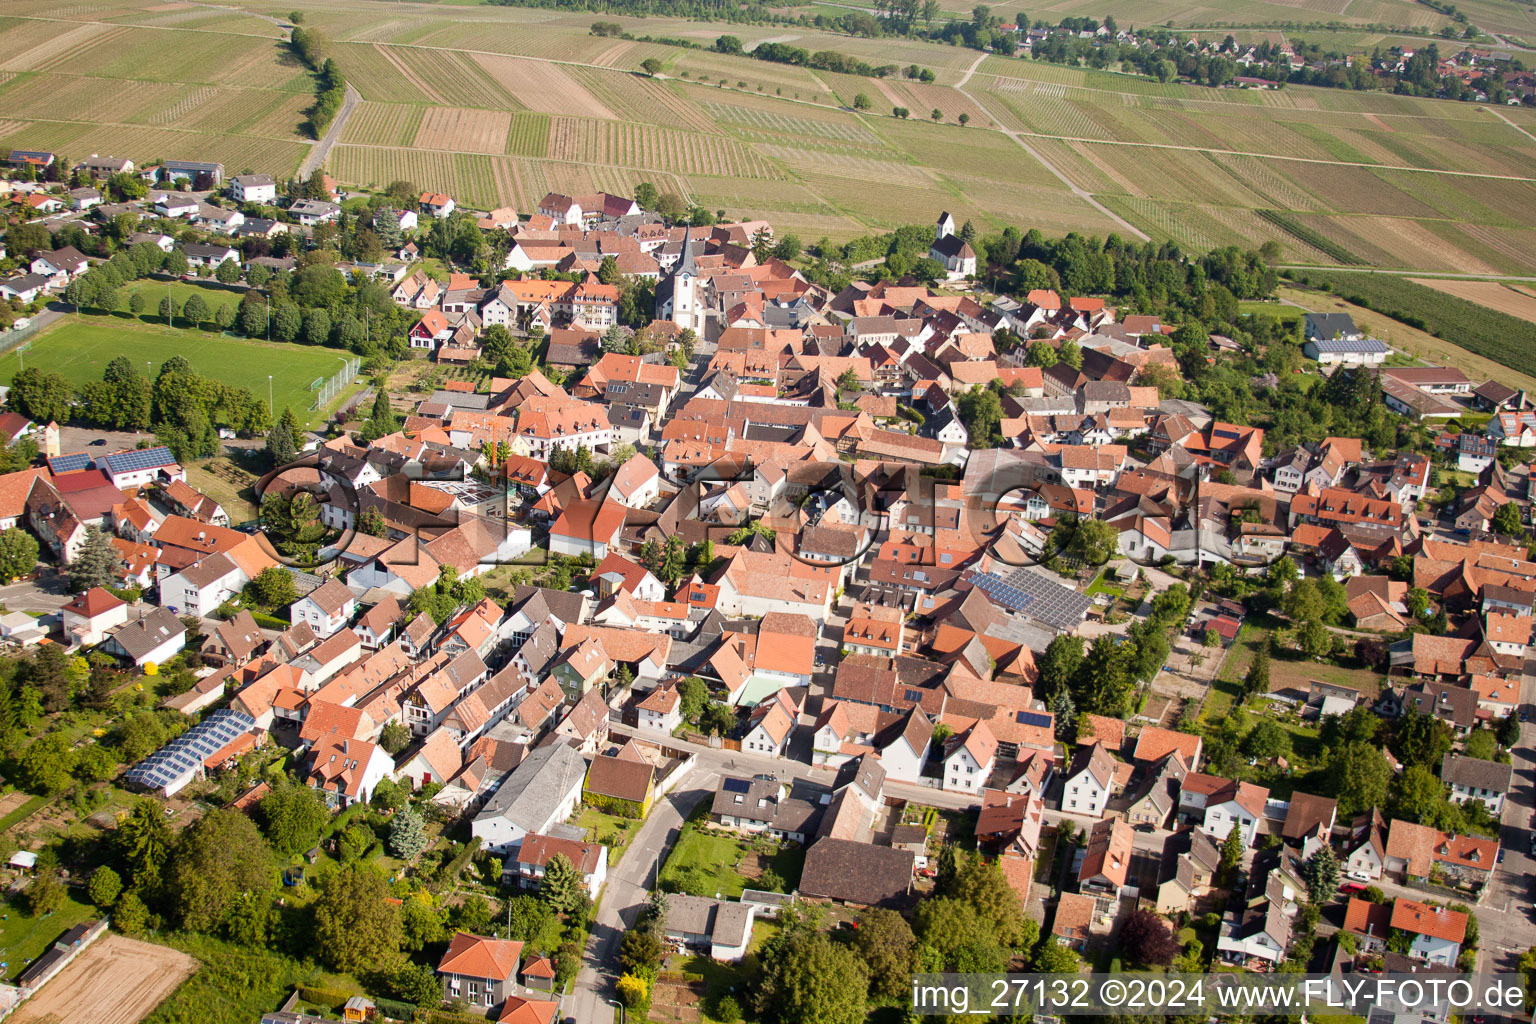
x=270, y=411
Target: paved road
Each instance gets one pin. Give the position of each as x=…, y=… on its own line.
x=322, y=149
x=627, y=892
x=629, y=884
x=1505, y=916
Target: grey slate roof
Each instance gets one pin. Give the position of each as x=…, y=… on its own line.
x=536, y=787
x=1475, y=774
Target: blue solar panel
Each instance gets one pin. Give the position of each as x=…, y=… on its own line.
x=69, y=463
x=191, y=748
x=737, y=785
x=148, y=458
x=1034, y=718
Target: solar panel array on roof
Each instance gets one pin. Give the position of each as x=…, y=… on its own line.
x=69, y=463
x=184, y=753
x=147, y=458
x=1341, y=345
x=1031, y=594
x=1033, y=718
x=737, y=785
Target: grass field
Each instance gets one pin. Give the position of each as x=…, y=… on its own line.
x=24, y=938
x=719, y=856
x=79, y=347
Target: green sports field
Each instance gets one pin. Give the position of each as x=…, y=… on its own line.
x=80, y=347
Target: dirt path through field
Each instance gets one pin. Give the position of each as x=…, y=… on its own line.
x=1018, y=140
x=113, y=981
x=408, y=74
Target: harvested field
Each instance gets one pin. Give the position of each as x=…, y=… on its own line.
x=1502, y=297
x=467, y=131
x=541, y=86
x=114, y=981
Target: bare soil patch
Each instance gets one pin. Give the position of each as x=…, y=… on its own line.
x=466, y=131
x=115, y=981
x=542, y=86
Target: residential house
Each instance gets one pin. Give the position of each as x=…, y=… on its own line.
x=661, y=711
x=479, y=970
x=153, y=638
x=969, y=758
x=623, y=784
x=535, y=852
x=1417, y=851
x=857, y=873
x=234, y=641
x=1106, y=863
x=327, y=608
x=1474, y=779
x=770, y=725
x=1438, y=931
x=347, y=771
x=720, y=929
x=1089, y=781
x=91, y=615
x=1237, y=805
x=1157, y=798
x=541, y=791
x=1186, y=871
x=763, y=804
x=253, y=188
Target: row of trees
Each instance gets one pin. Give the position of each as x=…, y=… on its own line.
x=180, y=405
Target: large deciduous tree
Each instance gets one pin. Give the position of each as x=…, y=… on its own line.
x=355, y=924
x=217, y=858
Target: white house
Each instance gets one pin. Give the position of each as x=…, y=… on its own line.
x=310, y=212
x=1237, y=803
x=210, y=256
x=535, y=852
x=327, y=608
x=1366, y=852
x=771, y=725
x=155, y=636
x=1438, y=932
x=587, y=528
x=1474, y=779
x=540, y=792
x=347, y=771
x=200, y=589
x=635, y=484
x=253, y=188
x=89, y=617
x=438, y=759
x=720, y=928
x=661, y=711
x=1089, y=781
x=969, y=759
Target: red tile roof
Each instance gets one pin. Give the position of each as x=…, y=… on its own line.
x=475, y=956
